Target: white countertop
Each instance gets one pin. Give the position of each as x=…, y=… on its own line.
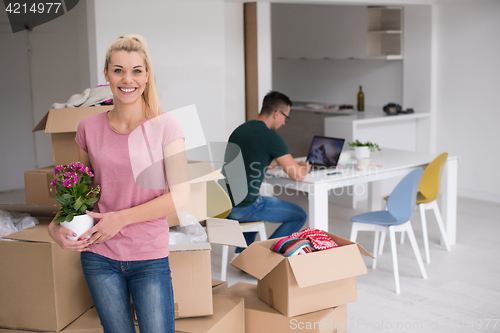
x=375, y=115
x=321, y=108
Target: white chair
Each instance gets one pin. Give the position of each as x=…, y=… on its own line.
x=219, y=206
x=259, y=227
x=429, y=189
x=400, y=208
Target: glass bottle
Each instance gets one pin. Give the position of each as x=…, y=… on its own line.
x=361, y=99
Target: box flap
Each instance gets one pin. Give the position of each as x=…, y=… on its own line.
x=41, y=125
x=225, y=232
x=228, y=316
x=189, y=247
x=342, y=241
x=33, y=210
x=327, y=265
x=37, y=234
x=202, y=172
x=257, y=260
x=67, y=119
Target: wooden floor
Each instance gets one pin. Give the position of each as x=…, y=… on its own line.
x=461, y=294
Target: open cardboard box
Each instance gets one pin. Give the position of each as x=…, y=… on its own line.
x=191, y=268
x=261, y=318
x=42, y=287
x=305, y=283
x=62, y=125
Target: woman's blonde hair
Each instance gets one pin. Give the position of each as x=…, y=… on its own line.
x=137, y=43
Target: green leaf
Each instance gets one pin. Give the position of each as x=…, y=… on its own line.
x=60, y=218
x=91, y=201
x=78, y=203
x=69, y=218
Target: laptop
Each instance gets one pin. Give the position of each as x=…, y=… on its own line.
x=324, y=152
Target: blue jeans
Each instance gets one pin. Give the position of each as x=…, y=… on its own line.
x=148, y=282
x=270, y=209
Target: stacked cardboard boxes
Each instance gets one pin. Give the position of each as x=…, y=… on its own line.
x=303, y=284
x=192, y=271
x=62, y=125
x=261, y=318
x=41, y=286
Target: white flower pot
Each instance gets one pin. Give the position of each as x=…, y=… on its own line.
x=362, y=152
x=79, y=225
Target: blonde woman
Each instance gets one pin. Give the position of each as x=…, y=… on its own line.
x=126, y=255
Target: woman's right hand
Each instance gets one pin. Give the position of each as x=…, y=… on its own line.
x=59, y=234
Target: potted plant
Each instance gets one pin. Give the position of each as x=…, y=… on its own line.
x=362, y=150
x=74, y=192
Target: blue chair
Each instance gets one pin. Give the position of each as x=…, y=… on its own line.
x=401, y=206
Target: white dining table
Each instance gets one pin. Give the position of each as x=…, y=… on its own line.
x=389, y=163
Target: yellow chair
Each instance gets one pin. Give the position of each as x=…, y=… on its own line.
x=426, y=199
x=219, y=206
x=429, y=189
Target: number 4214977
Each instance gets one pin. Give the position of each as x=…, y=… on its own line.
x=40, y=8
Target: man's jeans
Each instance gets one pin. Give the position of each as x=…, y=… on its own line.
x=111, y=284
x=270, y=209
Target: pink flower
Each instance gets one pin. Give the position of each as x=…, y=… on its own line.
x=58, y=169
x=54, y=183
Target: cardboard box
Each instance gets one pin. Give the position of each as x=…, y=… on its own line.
x=87, y=323
x=261, y=318
x=42, y=287
x=218, y=286
x=199, y=174
x=192, y=271
x=304, y=283
x=227, y=317
x=62, y=125
x=37, y=186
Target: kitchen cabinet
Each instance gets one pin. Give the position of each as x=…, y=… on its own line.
x=384, y=32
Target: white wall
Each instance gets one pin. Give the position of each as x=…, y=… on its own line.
x=235, y=66
x=56, y=69
x=17, y=143
x=186, y=40
x=468, y=86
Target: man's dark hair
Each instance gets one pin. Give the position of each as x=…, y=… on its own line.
x=273, y=101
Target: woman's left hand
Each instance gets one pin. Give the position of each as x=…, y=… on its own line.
x=108, y=226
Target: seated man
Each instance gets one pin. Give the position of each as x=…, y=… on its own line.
x=263, y=148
